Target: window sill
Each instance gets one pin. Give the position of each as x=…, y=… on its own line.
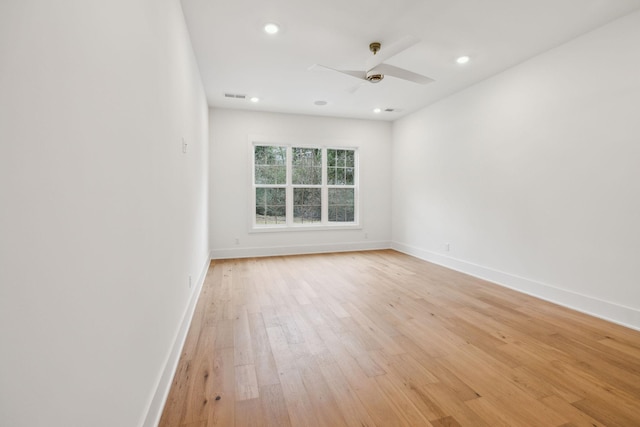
x=280, y=229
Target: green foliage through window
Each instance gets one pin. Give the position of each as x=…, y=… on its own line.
x=307, y=166
x=270, y=165
x=341, y=205
x=340, y=167
x=270, y=205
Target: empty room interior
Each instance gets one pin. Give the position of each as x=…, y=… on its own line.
x=340, y=213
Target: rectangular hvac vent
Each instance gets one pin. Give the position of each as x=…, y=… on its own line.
x=390, y=110
x=234, y=95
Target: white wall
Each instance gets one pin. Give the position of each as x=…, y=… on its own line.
x=533, y=176
x=102, y=217
x=230, y=161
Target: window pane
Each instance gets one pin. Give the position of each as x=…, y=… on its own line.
x=350, y=160
x=348, y=179
x=270, y=165
x=268, y=174
x=270, y=155
x=271, y=205
x=307, y=205
x=306, y=166
x=341, y=204
x=331, y=175
x=331, y=157
x=340, y=167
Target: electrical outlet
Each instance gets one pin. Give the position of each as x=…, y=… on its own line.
x=189, y=282
x=366, y=235
x=237, y=241
x=184, y=146
x=447, y=247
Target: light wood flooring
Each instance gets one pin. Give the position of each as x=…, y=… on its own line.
x=383, y=339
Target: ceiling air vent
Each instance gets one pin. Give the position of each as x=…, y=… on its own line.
x=389, y=110
x=234, y=95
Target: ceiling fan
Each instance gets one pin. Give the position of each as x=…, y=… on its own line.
x=376, y=69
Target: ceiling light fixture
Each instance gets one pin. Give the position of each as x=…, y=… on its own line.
x=377, y=110
x=271, y=28
x=462, y=59
x=255, y=99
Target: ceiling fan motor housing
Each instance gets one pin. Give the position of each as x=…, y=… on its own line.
x=374, y=77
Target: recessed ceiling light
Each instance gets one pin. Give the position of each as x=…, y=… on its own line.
x=462, y=59
x=271, y=28
x=321, y=103
x=255, y=99
x=377, y=110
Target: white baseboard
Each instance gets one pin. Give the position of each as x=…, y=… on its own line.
x=164, y=384
x=616, y=313
x=297, y=249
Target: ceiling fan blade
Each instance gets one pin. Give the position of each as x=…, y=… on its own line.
x=401, y=73
x=354, y=89
x=391, y=49
x=362, y=75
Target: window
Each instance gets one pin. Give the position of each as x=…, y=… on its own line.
x=300, y=186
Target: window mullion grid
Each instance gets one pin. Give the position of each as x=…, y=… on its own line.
x=254, y=186
x=289, y=187
x=356, y=186
x=324, y=196
x=324, y=187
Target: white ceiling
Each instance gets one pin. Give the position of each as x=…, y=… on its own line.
x=236, y=56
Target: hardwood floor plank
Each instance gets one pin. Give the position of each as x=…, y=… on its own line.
x=242, y=344
x=246, y=382
x=575, y=416
x=299, y=406
x=274, y=408
x=593, y=359
x=378, y=339
x=222, y=399
x=622, y=347
x=608, y=412
x=378, y=406
x=491, y=412
x=445, y=422
x=224, y=334
x=265, y=364
x=249, y=413
x=401, y=404
x=201, y=380
x=450, y=382
x=350, y=368
x=354, y=413
x=408, y=370
x=556, y=383
x=325, y=407
x=451, y=403
x=495, y=382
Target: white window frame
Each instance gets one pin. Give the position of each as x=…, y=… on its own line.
x=289, y=224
